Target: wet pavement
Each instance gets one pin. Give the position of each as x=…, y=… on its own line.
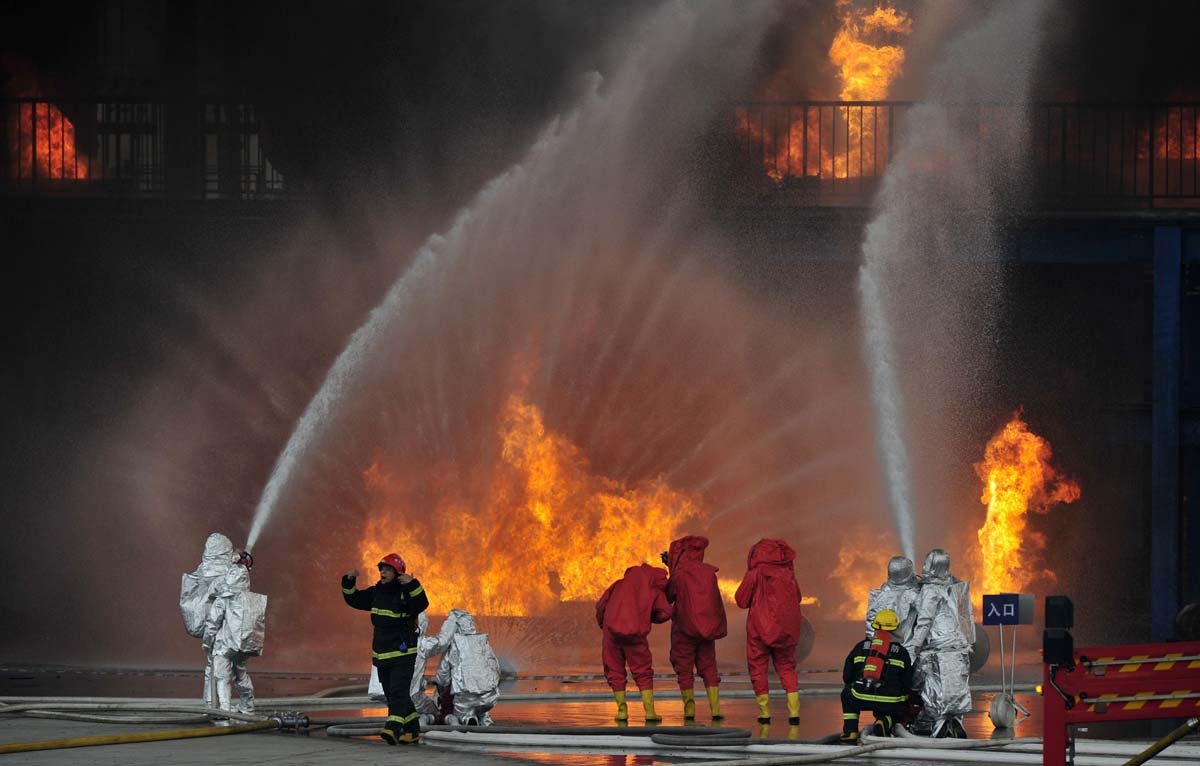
x=819, y=716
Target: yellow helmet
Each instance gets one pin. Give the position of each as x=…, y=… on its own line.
x=885, y=619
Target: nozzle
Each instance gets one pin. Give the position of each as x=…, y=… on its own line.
x=245, y=559
x=291, y=720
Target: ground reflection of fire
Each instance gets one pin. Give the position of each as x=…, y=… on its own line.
x=551, y=530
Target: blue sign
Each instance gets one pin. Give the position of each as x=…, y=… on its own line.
x=1008, y=609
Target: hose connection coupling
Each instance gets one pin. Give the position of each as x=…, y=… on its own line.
x=292, y=720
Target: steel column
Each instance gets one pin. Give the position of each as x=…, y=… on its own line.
x=1165, y=526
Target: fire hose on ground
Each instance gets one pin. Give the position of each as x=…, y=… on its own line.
x=1179, y=733
x=140, y=713
x=145, y=736
x=713, y=741
x=666, y=741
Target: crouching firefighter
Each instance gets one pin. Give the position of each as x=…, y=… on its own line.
x=878, y=674
x=394, y=603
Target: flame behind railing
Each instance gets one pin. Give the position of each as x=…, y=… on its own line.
x=1106, y=155
x=119, y=148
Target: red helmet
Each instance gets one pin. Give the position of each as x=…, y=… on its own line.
x=394, y=561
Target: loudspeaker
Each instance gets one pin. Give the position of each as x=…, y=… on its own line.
x=1060, y=613
x=1058, y=647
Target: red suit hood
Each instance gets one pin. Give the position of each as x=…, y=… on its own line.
x=770, y=552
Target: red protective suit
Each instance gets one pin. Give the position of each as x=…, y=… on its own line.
x=699, y=612
x=625, y=613
x=770, y=592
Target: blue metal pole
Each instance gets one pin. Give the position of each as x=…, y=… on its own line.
x=1165, y=526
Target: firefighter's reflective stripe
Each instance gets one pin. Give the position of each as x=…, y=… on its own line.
x=870, y=667
x=860, y=659
x=393, y=655
x=403, y=718
x=420, y=589
x=388, y=612
x=348, y=591
x=849, y=716
x=898, y=663
x=877, y=697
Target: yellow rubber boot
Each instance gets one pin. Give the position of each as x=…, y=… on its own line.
x=648, y=706
x=689, y=703
x=764, y=708
x=622, y=708
x=714, y=701
x=793, y=703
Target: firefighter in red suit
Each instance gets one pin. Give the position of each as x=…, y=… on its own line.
x=698, y=622
x=625, y=613
x=769, y=590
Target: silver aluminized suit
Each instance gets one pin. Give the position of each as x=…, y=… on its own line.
x=471, y=670
x=233, y=632
x=899, y=594
x=197, y=591
x=942, y=639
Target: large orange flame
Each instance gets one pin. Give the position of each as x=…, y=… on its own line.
x=551, y=530
x=1017, y=478
x=862, y=565
x=844, y=141
x=729, y=586
x=866, y=67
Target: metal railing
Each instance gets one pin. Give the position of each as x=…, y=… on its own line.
x=1080, y=155
x=123, y=148
x=813, y=153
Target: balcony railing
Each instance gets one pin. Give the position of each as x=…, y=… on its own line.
x=1079, y=156
x=816, y=153
x=70, y=147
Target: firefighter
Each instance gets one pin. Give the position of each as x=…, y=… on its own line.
x=898, y=593
x=698, y=622
x=769, y=590
x=394, y=603
x=941, y=647
x=878, y=675
x=199, y=589
x=233, y=632
x=470, y=671
x=625, y=613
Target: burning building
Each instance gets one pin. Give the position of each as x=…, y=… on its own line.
x=636, y=310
